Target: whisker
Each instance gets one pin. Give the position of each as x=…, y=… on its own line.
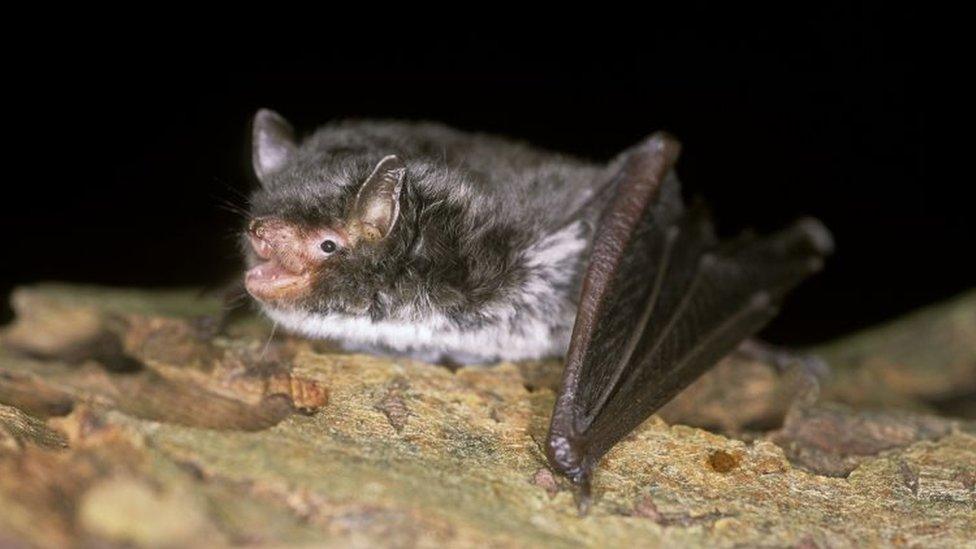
x=231, y=207
x=232, y=188
x=267, y=344
x=233, y=199
x=233, y=235
x=232, y=300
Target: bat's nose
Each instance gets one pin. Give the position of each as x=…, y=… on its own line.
x=295, y=247
x=272, y=230
x=262, y=233
x=255, y=226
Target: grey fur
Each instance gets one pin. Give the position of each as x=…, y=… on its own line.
x=484, y=262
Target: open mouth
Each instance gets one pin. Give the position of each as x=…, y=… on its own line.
x=271, y=280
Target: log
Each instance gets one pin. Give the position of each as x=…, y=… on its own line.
x=125, y=419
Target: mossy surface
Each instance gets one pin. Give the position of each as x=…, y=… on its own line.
x=125, y=421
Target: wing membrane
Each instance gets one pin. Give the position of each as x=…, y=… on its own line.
x=662, y=302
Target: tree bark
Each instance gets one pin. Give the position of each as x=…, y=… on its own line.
x=125, y=419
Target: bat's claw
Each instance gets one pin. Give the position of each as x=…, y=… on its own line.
x=584, y=495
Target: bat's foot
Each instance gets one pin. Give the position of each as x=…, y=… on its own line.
x=584, y=494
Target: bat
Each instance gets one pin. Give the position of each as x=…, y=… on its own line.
x=416, y=239
x=662, y=301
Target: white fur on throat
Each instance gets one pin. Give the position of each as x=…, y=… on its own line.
x=427, y=337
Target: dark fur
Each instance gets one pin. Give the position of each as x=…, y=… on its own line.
x=471, y=208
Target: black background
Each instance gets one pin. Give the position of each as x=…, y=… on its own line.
x=131, y=139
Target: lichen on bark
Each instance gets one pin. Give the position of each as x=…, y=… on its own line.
x=124, y=419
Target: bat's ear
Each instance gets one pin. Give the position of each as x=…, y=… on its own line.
x=377, y=205
x=272, y=143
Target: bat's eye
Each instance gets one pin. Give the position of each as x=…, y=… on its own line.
x=328, y=246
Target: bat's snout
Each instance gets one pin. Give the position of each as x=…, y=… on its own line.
x=257, y=235
x=282, y=269
x=288, y=255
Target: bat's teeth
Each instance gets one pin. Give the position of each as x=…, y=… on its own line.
x=270, y=281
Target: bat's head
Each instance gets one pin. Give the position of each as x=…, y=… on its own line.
x=322, y=223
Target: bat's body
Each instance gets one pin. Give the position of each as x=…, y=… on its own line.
x=488, y=253
x=420, y=240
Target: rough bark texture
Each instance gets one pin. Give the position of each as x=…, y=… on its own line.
x=125, y=420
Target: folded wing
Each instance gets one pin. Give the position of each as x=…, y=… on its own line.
x=663, y=300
